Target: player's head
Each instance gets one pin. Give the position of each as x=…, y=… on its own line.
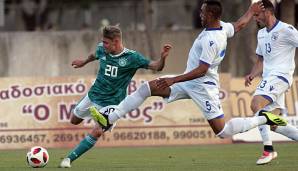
x=112, y=38
x=210, y=11
x=262, y=17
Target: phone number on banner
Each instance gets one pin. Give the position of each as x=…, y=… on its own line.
x=118, y=137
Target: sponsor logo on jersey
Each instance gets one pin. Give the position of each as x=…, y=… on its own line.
x=122, y=62
x=274, y=36
x=222, y=53
x=271, y=88
x=104, y=58
x=211, y=43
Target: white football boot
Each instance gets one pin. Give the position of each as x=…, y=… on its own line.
x=267, y=157
x=65, y=163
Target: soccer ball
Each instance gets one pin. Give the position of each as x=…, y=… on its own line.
x=37, y=157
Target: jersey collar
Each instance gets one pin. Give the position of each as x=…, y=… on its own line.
x=119, y=54
x=275, y=24
x=213, y=29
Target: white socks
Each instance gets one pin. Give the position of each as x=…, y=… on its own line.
x=265, y=134
x=239, y=125
x=288, y=131
x=131, y=102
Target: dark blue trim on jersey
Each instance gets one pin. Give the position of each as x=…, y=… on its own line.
x=268, y=98
x=213, y=29
x=203, y=62
x=260, y=56
x=275, y=24
x=209, y=83
x=283, y=78
x=218, y=117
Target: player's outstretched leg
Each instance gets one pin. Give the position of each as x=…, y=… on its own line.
x=273, y=119
x=86, y=144
x=239, y=125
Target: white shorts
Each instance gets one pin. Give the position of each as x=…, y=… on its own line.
x=273, y=89
x=205, y=95
x=82, y=108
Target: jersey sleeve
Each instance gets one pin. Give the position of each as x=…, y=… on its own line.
x=142, y=61
x=292, y=36
x=99, y=52
x=208, y=51
x=259, y=50
x=229, y=28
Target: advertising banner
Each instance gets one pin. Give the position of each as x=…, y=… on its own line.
x=36, y=111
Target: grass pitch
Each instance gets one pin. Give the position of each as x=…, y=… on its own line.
x=233, y=157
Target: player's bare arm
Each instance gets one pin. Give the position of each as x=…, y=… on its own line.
x=159, y=64
x=244, y=20
x=200, y=71
x=78, y=63
x=256, y=71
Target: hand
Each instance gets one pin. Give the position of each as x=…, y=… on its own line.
x=257, y=7
x=78, y=63
x=163, y=83
x=166, y=50
x=248, y=79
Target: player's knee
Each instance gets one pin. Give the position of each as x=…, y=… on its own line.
x=224, y=132
x=254, y=107
x=75, y=120
x=96, y=132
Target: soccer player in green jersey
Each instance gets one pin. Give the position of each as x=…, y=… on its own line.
x=117, y=67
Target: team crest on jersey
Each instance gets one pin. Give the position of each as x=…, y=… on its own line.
x=122, y=62
x=274, y=36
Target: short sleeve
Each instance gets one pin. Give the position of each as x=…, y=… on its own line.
x=99, y=52
x=259, y=50
x=208, y=51
x=229, y=28
x=142, y=61
x=292, y=35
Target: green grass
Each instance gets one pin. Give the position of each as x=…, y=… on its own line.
x=233, y=157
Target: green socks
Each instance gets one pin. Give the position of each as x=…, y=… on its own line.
x=86, y=144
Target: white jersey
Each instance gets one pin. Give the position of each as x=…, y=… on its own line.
x=277, y=47
x=209, y=48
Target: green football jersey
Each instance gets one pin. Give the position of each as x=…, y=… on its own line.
x=114, y=75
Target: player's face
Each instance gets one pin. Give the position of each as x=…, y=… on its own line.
x=260, y=19
x=109, y=45
x=203, y=15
